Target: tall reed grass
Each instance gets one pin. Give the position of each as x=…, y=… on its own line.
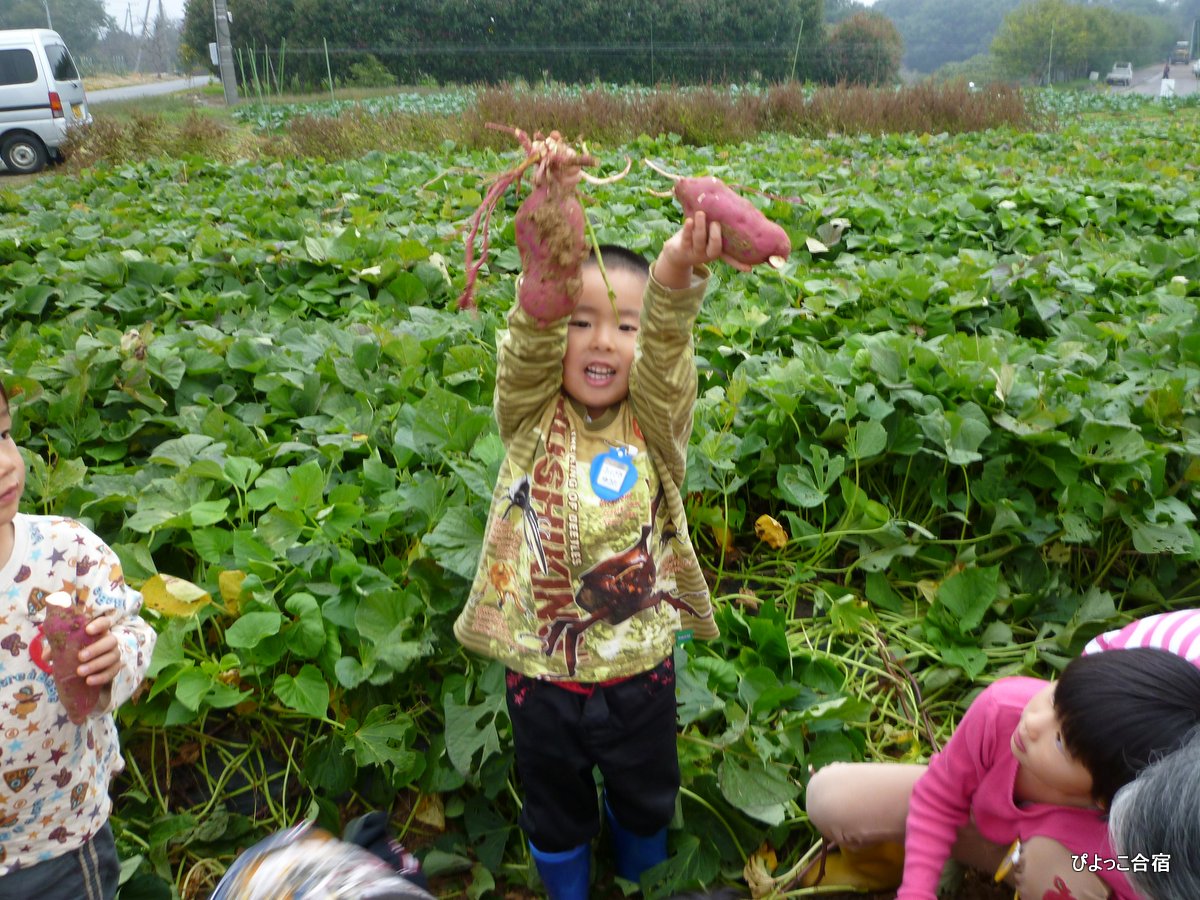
x=699, y=116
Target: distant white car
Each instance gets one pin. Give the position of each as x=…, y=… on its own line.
x=1196, y=68
x=1122, y=73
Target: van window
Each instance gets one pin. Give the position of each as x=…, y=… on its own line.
x=62, y=67
x=17, y=66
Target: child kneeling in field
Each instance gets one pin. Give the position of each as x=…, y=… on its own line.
x=1031, y=761
x=55, y=840
x=587, y=573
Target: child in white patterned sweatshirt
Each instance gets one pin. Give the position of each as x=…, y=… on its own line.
x=55, y=840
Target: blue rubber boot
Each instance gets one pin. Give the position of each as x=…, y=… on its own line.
x=635, y=852
x=565, y=874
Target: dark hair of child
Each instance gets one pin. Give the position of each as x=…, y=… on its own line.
x=1121, y=710
x=620, y=259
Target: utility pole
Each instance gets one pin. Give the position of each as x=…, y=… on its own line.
x=49, y=24
x=225, y=51
x=137, y=64
x=1050, y=61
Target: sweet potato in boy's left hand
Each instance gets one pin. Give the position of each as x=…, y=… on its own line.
x=750, y=237
x=697, y=243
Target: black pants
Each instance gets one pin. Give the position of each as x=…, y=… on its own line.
x=627, y=730
x=89, y=872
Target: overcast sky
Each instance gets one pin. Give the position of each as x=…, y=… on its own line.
x=172, y=9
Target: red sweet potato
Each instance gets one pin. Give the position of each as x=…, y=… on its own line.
x=749, y=236
x=550, y=237
x=549, y=227
x=64, y=631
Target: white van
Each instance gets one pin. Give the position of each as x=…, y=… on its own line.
x=41, y=97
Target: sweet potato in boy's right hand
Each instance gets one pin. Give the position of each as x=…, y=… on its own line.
x=101, y=659
x=66, y=632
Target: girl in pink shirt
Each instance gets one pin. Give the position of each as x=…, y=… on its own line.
x=1031, y=761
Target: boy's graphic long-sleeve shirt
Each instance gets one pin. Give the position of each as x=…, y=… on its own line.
x=54, y=775
x=974, y=779
x=587, y=571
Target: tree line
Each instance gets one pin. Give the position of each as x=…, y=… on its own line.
x=1053, y=40
x=80, y=22
x=488, y=41
x=1017, y=32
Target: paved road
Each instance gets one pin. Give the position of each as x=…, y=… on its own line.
x=1149, y=81
x=149, y=89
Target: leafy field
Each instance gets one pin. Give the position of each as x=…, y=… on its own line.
x=970, y=400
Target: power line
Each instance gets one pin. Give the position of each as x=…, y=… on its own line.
x=549, y=48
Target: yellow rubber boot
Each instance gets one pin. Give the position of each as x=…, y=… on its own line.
x=879, y=867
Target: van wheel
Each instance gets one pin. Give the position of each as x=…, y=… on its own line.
x=23, y=154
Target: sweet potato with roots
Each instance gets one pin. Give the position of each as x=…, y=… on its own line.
x=550, y=226
x=64, y=630
x=550, y=237
x=748, y=236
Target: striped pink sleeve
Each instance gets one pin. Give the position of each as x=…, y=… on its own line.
x=1178, y=632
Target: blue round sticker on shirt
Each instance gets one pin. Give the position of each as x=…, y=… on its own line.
x=613, y=474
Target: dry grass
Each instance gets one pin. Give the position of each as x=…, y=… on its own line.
x=353, y=133
x=699, y=117
x=714, y=116
x=115, y=141
x=703, y=116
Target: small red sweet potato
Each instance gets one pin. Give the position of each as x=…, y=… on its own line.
x=749, y=236
x=64, y=631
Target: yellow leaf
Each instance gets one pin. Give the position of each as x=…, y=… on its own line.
x=770, y=532
x=757, y=872
x=1192, y=472
x=431, y=811
x=902, y=743
x=246, y=707
x=231, y=588
x=767, y=852
x=1059, y=553
x=929, y=589
x=723, y=536
x=173, y=596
